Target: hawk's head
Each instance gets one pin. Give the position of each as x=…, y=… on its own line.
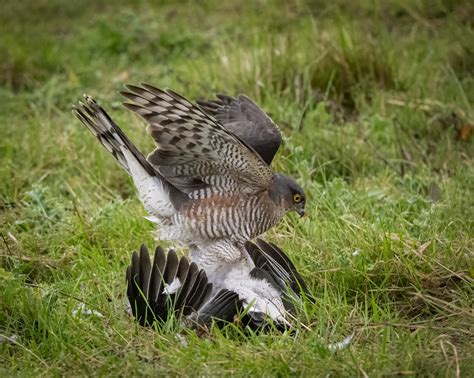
x=285, y=190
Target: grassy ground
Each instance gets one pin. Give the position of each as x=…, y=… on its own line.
x=375, y=103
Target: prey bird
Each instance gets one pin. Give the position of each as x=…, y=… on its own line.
x=170, y=286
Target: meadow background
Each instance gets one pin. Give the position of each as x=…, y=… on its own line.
x=375, y=102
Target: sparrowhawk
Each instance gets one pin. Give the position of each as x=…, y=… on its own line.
x=208, y=183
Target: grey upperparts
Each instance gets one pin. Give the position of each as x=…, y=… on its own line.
x=247, y=121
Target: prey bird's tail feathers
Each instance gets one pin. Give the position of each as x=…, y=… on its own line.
x=158, y=195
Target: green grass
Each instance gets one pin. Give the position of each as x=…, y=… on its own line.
x=375, y=103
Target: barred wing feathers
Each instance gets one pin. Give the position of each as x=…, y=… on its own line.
x=242, y=117
x=195, y=151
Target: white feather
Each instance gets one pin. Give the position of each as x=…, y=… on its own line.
x=229, y=267
x=258, y=294
x=342, y=344
x=173, y=287
x=153, y=194
x=218, y=259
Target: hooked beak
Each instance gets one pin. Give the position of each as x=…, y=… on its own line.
x=300, y=212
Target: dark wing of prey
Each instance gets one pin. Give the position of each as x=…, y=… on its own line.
x=173, y=286
x=167, y=286
x=270, y=258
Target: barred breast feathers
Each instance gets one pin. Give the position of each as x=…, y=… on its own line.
x=240, y=217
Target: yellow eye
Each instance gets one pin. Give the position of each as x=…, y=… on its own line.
x=297, y=198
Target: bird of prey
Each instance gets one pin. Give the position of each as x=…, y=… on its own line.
x=172, y=286
x=208, y=183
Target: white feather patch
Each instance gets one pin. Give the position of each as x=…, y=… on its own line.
x=173, y=287
x=259, y=294
x=153, y=194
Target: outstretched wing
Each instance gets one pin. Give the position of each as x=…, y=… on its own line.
x=168, y=286
x=195, y=152
x=172, y=286
x=242, y=117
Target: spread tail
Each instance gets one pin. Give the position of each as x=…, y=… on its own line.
x=159, y=196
